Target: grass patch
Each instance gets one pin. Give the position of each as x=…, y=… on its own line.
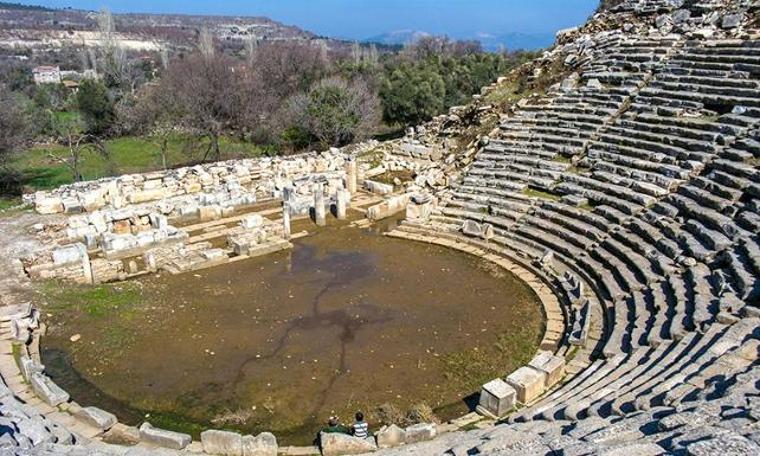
x=471, y=368
x=8, y=203
x=505, y=94
x=175, y=422
x=93, y=302
x=125, y=155
x=562, y=159
x=533, y=193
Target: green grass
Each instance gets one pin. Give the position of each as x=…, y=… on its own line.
x=93, y=302
x=540, y=194
x=7, y=203
x=67, y=116
x=125, y=155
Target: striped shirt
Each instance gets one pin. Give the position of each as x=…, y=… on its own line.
x=361, y=429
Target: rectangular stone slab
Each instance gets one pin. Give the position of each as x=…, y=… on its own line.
x=551, y=365
x=528, y=382
x=497, y=398
x=164, y=438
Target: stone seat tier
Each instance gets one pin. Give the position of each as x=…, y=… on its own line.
x=497, y=145
x=660, y=262
x=704, y=89
x=486, y=156
x=585, y=217
x=681, y=150
x=689, y=351
x=653, y=392
x=578, y=226
x=608, y=159
x=703, y=96
x=513, y=131
x=704, y=80
x=608, y=188
x=537, y=181
x=584, y=125
x=653, y=160
x=500, y=185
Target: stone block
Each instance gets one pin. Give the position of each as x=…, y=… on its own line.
x=497, y=398
x=209, y=213
x=97, y=418
x=49, y=392
x=337, y=444
x=390, y=436
x=35, y=431
x=28, y=367
x=528, y=382
x=420, y=432
x=92, y=201
x=146, y=195
x=252, y=221
x=67, y=255
x=378, y=187
x=551, y=365
x=264, y=444
x=127, y=435
x=223, y=443
x=164, y=438
x=46, y=205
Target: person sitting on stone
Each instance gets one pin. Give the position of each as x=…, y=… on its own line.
x=334, y=427
x=360, y=428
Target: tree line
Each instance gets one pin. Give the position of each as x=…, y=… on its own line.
x=284, y=96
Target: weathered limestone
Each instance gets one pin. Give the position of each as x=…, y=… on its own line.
x=342, y=201
x=390, y=436
x=351, y=176
x=223, y=443
x=264, y=444
x=475, y=229
x=528, y=383
x=286, y=220
x=252, y=222
x=420, y=432
x=420, y=207
x=320, y=216
x=378, y=187
x=552, y=366
x=29, y=367
x=97, y=418
x=391, y=206
x=497, y=398
x=48, y=391
x=337, y=444
x=163, y=438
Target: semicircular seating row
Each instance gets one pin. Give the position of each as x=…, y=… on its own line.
x=642, y=180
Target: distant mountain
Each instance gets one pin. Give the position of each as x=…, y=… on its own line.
x=398, y=37
x=515, y=41
x=491, y=42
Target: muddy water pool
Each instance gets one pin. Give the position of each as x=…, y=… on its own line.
x=348, y=320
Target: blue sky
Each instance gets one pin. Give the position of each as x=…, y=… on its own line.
x=359, y=19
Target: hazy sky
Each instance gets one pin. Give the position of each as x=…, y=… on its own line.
x=359, y=19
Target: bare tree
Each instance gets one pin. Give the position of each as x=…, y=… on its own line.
x=251, y=45
x=206, y=91
x=153, y=113
x=113, y=58
x=78, y=144
x=15, y=128
x=206, y=42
